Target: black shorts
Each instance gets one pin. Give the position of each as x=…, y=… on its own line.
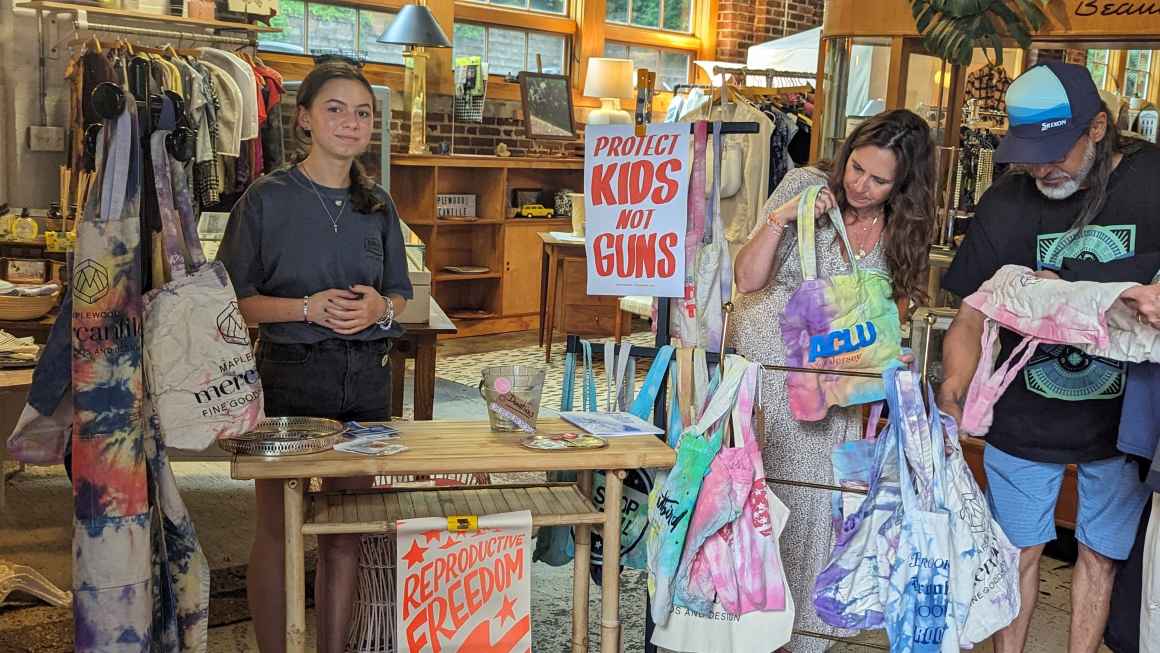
x=337, y=379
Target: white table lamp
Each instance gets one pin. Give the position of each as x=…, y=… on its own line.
x=609, y=80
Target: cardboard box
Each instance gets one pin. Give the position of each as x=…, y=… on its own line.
x=418, y=309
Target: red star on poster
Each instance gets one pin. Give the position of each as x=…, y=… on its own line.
x=508, y=611
x=415, y=554
x=432, y=536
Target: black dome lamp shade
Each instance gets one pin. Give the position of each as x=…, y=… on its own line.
x=415, y=26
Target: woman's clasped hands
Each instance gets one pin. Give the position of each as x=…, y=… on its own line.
x=346, y=311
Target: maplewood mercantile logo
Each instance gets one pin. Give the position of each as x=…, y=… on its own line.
x=90, y=281
x=232, y=325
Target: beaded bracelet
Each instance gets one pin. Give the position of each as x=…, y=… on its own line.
x=306, y=309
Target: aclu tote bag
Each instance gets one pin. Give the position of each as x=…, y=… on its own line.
x=846, y=322
x=200, y=371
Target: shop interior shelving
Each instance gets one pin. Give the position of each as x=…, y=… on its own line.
x=506, y=297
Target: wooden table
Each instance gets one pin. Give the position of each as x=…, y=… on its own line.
x=462, y=448
x=591, y=315
x=552, y=257
x=418, y=343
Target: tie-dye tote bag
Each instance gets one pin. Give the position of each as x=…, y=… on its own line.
x=847, y=322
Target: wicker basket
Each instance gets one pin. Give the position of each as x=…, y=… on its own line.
x=14, y=308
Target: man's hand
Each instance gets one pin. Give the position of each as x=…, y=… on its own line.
x=950, y=406
x=1047, y=274
x=1145, y=300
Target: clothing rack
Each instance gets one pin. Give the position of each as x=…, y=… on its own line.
x=162, y=33
x=770, y=74
x=664, y=337
x=682, y=87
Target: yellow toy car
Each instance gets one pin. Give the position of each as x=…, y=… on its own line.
x=534, y=211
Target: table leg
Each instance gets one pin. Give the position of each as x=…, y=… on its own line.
x=543, y=290
x=582, y=568
x=610, y=597
x=425, y=377
x=398, y=381
x=553, y=297
x=295, y=567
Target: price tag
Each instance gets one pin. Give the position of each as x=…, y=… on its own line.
x=462, y=523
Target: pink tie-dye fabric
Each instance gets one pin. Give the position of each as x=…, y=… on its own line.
x=738, y=564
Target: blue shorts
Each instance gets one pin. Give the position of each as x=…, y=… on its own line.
x=1023, y=494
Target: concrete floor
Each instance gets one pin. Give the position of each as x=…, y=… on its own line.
x=35, y=530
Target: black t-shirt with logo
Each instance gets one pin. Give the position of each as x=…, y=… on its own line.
x=1065, y=405
x=280, y=241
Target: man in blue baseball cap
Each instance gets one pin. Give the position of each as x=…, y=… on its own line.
x=1082, y=203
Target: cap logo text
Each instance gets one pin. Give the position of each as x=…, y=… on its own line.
x=1053, y=124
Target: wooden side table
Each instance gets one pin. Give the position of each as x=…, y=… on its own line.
x=563, y=297
x=419, y=343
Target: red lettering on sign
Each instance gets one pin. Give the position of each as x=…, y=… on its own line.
x=635, y=218
x=667, y=266
x=601, y=188
x=636, y=256
x=635, y=182
x=410, y=600
x=668, y=186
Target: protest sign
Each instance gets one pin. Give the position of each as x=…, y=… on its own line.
x=464, y=591
x=636, y=208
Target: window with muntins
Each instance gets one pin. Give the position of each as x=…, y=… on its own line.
x=673, y=15
x=319, y=28
x=671, y=66
x=509, y=50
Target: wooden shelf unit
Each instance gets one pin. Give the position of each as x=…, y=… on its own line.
x=508, y=246
x=49, y=6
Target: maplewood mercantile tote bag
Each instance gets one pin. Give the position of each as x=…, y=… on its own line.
x=200, y=371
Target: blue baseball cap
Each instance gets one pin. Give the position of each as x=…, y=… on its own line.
x=1048, y=108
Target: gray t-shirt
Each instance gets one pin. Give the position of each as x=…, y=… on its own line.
x=279, y=242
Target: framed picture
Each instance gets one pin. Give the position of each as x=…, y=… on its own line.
x=547, y=101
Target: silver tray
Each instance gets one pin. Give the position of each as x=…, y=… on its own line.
x=286, y=436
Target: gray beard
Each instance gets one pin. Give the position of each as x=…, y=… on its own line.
x=1069, y=188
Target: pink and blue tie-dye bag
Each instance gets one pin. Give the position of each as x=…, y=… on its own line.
x=846, y=322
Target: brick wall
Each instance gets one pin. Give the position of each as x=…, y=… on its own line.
x=742, y=23
x=502, y=123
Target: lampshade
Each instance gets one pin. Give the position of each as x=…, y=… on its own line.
x=608, y=78
x=414, y=25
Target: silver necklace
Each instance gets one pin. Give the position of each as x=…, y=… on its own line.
x=314, y=187
x=865, y=231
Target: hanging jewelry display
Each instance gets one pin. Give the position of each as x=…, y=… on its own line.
x=985, y=172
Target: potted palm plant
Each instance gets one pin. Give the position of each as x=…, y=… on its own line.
x=951, y=29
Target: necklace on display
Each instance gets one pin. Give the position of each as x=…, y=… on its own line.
x=334, y=219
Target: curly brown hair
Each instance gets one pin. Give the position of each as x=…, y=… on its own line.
x=910, y=208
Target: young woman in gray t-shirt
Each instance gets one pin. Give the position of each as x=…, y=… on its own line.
x=315, y=252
